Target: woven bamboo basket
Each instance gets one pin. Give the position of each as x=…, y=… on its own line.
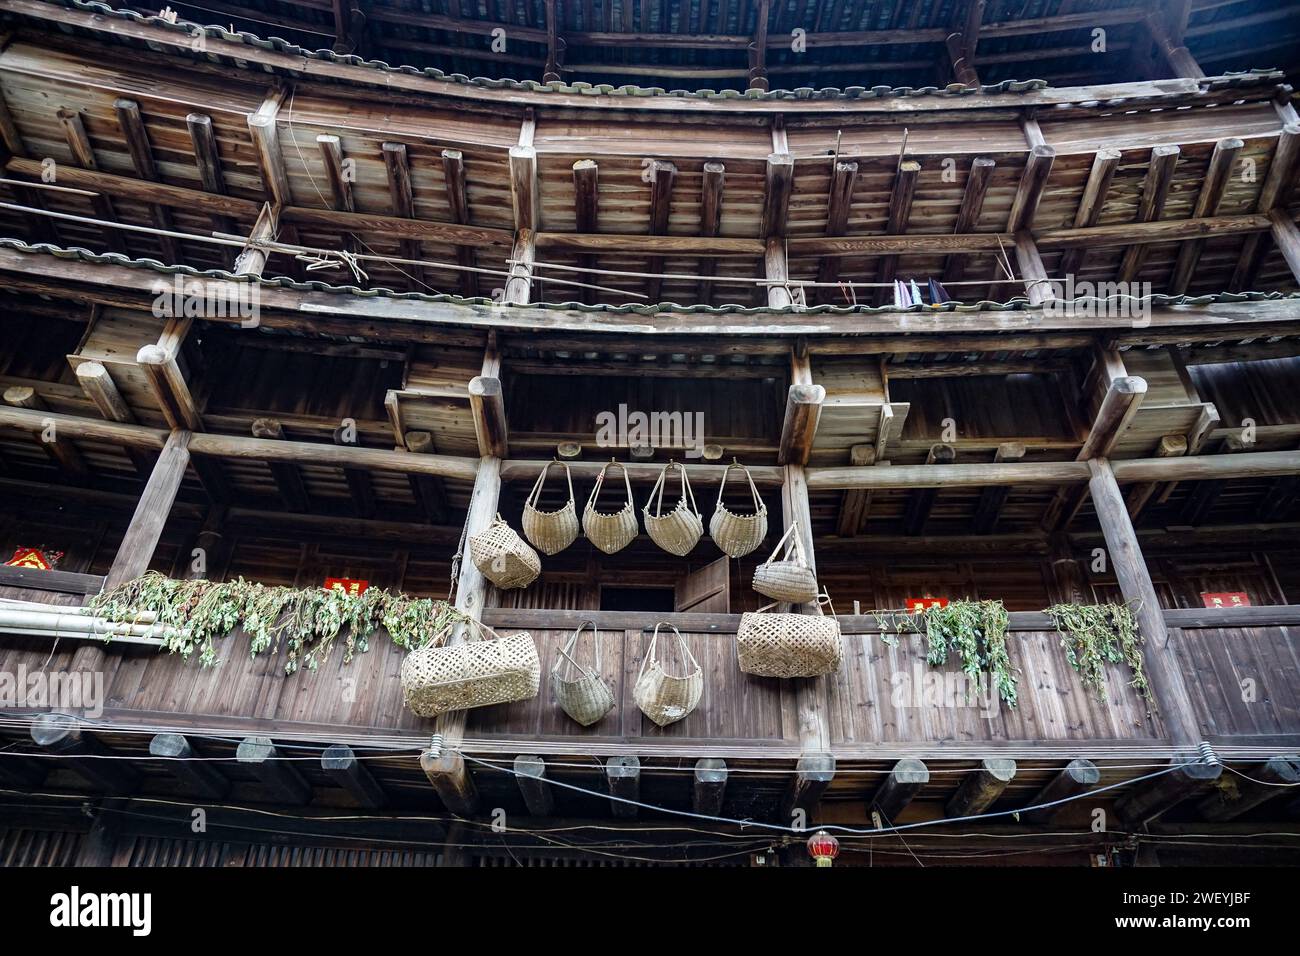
x=663, y=697
x=476, y=673
x=615, y=531
x=788, y=645
x=678, y=531
x=550, y=531
x=790, y=578
x=737, y=535
x=579, y=690
x=503, y=557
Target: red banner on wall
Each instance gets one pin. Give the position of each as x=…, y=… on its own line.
x=917, y=605
x=1225, y=598
x=352, y=586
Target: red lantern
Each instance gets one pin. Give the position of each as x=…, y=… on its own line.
x=823, y=847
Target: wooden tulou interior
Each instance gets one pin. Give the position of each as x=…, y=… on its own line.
x=457, y=263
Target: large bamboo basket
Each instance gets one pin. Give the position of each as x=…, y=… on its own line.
x=476, y=673
x=788, y=645
x=503, y=557
x=678, y=531
x=663, y=697
x=738, y=535
x=581, y=691
x=615, y=531
x=788, y=579
x=550, y=531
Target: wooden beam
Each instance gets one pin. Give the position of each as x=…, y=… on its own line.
x=661, y=175
x=288, y=479
x=623, y=775
x=1102, y=173
x=1038, y=287
x=283, y=782
x=776, y=270
x=1139, y=495
x=855, y=504
x=74, y=132
x=397, y=168
x=207, y=156
x=99, y=387
x=710, y=786
x=758, y=48
x=453, y=173
x=921, y=501
x=1208, y=200
x=1278, y=183
x=264, y=130
x=340, y=185
x=899, y=788
x=803, y=406
x=64, y=736
x=58, y=446
x=1287, y=239
x=776, y=195
x=530, y=775
x=252, y=260
x=169, y=388
x=1033, y=181
x=1148, y=800
x=429, y=491
x=994, y=497
x=1176, y=56
x=519, y=286
x=452, y=782
x=360, y=488
x=1155, y=190
x=962, y=43
x=487, y=405
x=839, y=202
x=138, y=147
x=524, y=189
x=1130, y=568
x=711, y=187
x=1118, y=406
x=968, y=215
x=981, y=787
x=1078, y=778
x=1258, y=785
x=900, y=210
x=586, y=209
x=341, y=765
x=551, y=72
x=200, y=778
x=813, y=774
x=136, y=552
x=349, y=26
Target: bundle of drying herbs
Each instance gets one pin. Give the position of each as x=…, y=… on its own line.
x=194, y=614
x=1094, y=635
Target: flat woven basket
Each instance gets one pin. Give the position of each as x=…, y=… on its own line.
x=580, y=691
x=790, y=578
x=738, y=535
x=476, y=673
x=503, y=557
x=680, y=530
x=610, y=532
x=663, y=697
x=788, y=645
x=550, y=531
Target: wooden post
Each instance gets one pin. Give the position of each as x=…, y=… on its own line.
x=1261, y=783
x=776, y=271
x=131, y=122
x=855, y=504
x=586, y=212
x=1139, y=593
x=83, y=154
x=710, y=786
x=488, y=406
x=839, y=203
x=340, y=764
x=1155, y=190
x=282, y=780
x=1151, y=798
x=453, y=170
x=623, y=775
x=263, y=129
x=397, y=169
x=518, y=288
x=169, y=388
x=60, y=447
x=994, y=497
x=803, y=406
x=900, y=211
x=899, y=788
x=1287, y=238
x=530, y=774
x=710, y=222
x=360, y=487
x=62, y=734
x=981, y=787
x=972, y=204
x=776, y=196
x=288, y=477
x=1038, y=287
x=1217, y=176
x=921, y=501
x=252, y=261
x=151, y=511
x=178, y=756
x=1104, y=163
x=1078, y=777
x=1033, y=181
x=813, y=774
x=428, y=490
x=661, y=175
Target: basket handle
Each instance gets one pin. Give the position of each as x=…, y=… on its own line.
x=541, y=477
x=660, y=483
x=572, y=645
x=654, y=640
x=600, y=480
x=753, y=489
x=795, y=545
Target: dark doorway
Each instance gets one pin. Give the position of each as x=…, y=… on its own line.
x=636, y=599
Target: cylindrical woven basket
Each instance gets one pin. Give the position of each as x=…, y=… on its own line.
x=610, y=532
x=503, y=557
x=789, y=579
x=663, y=697
x=476, y=673
x=585, y=697
x=788, y=645
x=737, y=535
x=678, y=531
x=550, y=531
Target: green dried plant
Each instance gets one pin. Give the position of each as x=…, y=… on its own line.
x=194, y=615
x=976, y=631
x=1094, y=635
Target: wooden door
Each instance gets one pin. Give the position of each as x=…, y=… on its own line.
x=706, y=591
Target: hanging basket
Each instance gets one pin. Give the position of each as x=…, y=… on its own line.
x=550, y=531
x=788, y=645
x=661, y=696
x=610, y=532
x=583, y=694
x=737, y=535
x=789, y=579
x=503, y=557
x=476, y=673
x=678, y=531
